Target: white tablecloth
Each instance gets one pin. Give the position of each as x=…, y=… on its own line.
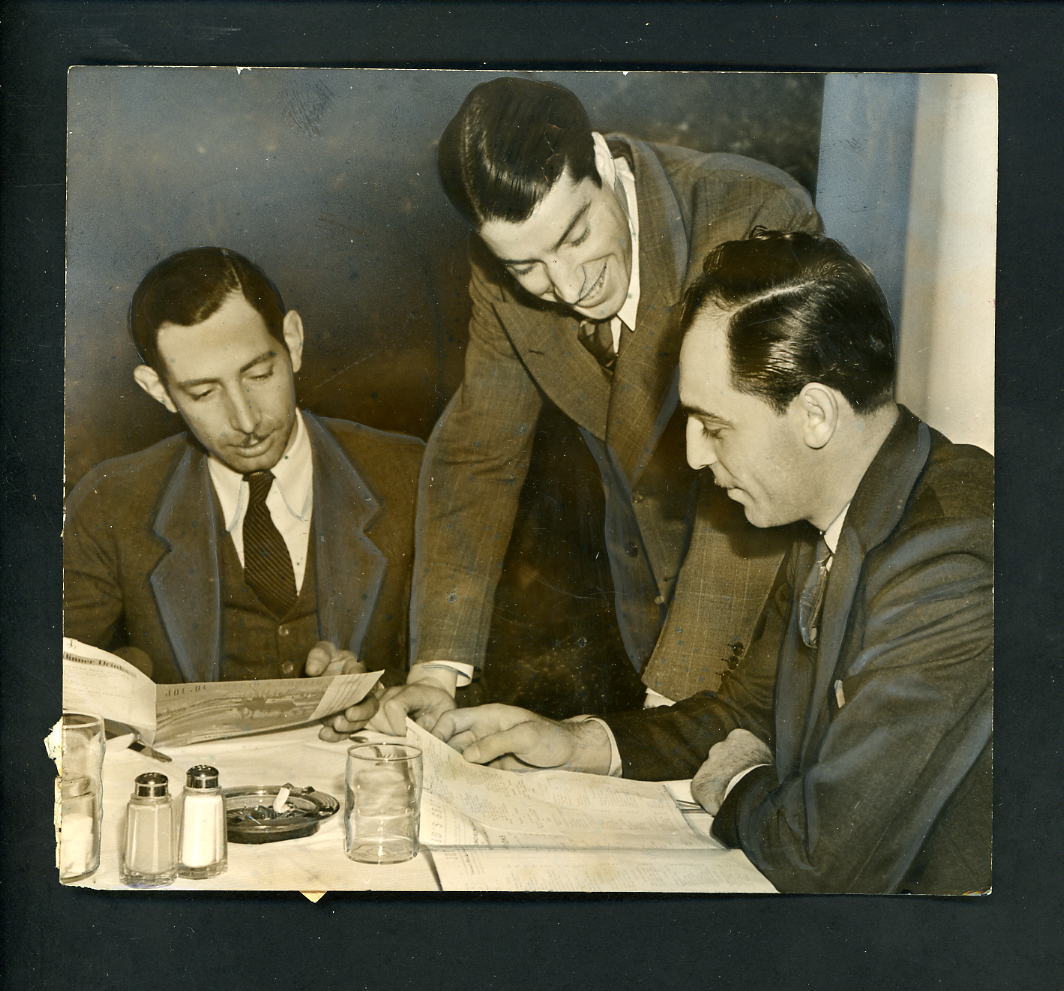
x=317, y=863
x=312, y=863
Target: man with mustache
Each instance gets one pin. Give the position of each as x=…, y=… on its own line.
x=264, y=542
x=850, y=749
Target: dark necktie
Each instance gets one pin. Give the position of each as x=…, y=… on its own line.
x=597, y=337
x=811, y=600
x=267, y=564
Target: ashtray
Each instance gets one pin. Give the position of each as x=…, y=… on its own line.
x=250, y=817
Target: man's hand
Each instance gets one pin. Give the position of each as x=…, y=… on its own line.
x=427, y=695
x=514, y=739
x=326, y=658
x=436, y=673
x=422, y=701
x=738, y=752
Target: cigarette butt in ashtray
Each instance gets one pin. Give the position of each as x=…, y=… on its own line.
x=280, y=803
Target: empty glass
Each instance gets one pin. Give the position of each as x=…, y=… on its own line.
x=383, y=803
x=81, y=798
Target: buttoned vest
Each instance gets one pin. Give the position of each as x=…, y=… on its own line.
x=255, y=643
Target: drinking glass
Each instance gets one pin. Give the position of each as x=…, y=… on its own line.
x=383, y=803
x=81, y=796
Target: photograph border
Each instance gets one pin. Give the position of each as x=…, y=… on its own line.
x=574, y=942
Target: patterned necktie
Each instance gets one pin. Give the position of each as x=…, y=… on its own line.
x=267, y=564
x=597, y=337
x=811, y=600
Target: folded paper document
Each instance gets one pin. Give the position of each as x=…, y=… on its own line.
x=468, y=805
x=492, y=830
x=102, y=684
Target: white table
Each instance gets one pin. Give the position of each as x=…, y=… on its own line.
x=317, y=863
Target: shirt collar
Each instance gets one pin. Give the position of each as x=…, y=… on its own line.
x=831, y=534
x=617, y=173
x=293, y=478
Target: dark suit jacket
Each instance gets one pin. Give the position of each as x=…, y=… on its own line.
x=521, y=349
x=142, y=564
x=889, y=790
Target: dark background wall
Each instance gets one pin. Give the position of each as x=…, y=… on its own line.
x=327, y=179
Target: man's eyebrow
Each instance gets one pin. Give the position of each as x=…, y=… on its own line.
x=705, y=414
x=265, y=356
x=577, y=217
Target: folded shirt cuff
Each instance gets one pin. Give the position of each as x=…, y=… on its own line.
x=463, y=671
x=615, y=753
x=739, y=777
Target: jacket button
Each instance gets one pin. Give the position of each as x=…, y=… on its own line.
x=631, y=549
x=283, y=631
x=638, y=498
x=287, y=668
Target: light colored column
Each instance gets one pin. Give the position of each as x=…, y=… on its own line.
x=946, y=356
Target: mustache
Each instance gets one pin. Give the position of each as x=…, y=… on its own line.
x=250, y=440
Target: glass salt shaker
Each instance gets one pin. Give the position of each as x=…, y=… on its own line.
x=203, y=846
x=149, y=855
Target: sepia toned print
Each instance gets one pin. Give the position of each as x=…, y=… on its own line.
x=550, y=549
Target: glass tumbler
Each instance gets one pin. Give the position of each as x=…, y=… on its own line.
x=383, y=803
x=81, y=796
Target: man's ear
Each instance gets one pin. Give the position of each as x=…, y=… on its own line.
x=148, y=379
x=818, y=409
x=603, y=159
x=293, y=337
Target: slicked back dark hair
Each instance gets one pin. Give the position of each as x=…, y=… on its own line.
x=507, y=146
x=802, y=309
x=190, y=286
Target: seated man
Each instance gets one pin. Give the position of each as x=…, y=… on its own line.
x=850, y=748
x=263, y=542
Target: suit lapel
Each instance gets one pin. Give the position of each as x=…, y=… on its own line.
x=874, y=512
x=644, y=393
x=186, y=582
x=349, y=567
x=547, y=341
x=794, y=677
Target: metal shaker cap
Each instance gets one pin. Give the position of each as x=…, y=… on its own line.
x=151, y=784
x=202, y=776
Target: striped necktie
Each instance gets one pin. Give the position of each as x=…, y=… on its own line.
x=811, y=600
x=267, y=563
x=597, y=337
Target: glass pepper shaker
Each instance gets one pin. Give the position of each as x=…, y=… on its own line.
x=149, y=854
x=203, y=846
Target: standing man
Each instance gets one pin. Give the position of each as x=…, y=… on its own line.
x=264, y=542
x=850, y=750
x=585, y=246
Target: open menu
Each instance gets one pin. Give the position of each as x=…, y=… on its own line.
x=101, y=684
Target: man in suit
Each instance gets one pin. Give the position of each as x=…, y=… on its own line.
x=262, y=543
x=850, y=750
x=585, y=245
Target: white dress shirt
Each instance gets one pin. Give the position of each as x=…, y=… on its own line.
x=616, y=174
x=290, y=500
